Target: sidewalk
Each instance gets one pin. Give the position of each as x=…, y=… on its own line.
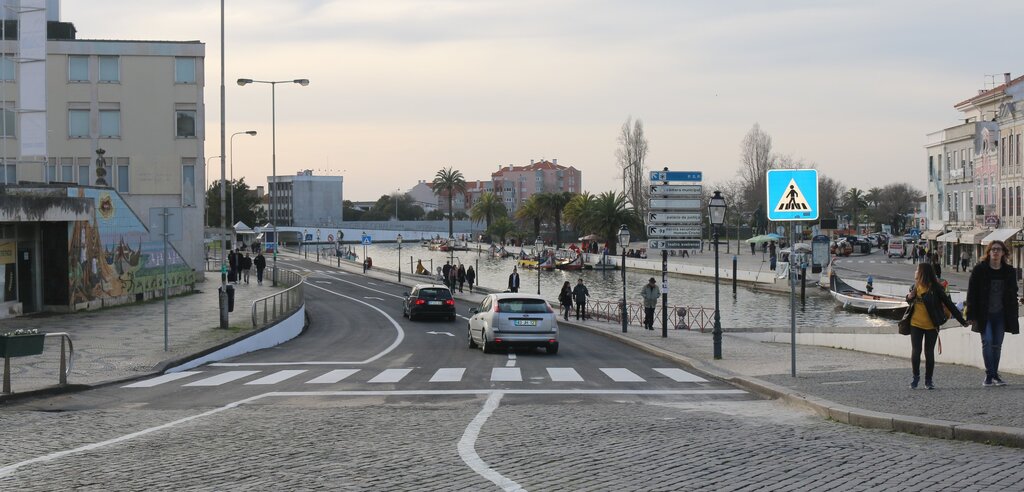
x=125, y=342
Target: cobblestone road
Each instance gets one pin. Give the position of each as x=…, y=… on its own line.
x=539, y=442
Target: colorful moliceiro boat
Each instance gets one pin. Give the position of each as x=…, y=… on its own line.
x=575, y=263
x=852, y=299
x=531, y=263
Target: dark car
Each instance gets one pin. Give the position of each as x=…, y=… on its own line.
x=429, y=300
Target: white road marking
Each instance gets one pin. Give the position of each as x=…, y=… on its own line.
x=440, y=333
x=467, y=445
x=448, y=375
x=506, y=374
x=390, y=376
x=371, y=297
x=166, y=378
x=328, y=282
x=564, y=374
x=222, y=378
x=620, y=375
x=333, y=376
x=681, y=376
x=278, y=376
x=511, y=360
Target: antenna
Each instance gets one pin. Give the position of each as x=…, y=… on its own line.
x=990, y=80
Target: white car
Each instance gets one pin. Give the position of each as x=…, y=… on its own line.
x=512, y=320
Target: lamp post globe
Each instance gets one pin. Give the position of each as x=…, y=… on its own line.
x=716, y=214
x=624, y=238
x=399, y=239
x=539, y=245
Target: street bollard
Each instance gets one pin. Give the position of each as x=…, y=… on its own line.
x=734, y=276
x=803, y=287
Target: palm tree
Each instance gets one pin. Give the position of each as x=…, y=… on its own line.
x=532, y=210
x=609, y=213
x=578, y=211
x=501, y=229
x=450, y=182
x=553, y=204
x=855, y=199
x=487, y=208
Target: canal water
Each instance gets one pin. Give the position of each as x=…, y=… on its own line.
x=748, y=309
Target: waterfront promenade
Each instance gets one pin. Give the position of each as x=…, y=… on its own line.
x=848, y=386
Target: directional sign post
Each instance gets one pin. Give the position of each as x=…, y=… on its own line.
x=792, y=196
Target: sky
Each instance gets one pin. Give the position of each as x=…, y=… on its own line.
x=400, y=89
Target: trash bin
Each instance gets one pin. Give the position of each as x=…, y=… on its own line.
x=230, y=289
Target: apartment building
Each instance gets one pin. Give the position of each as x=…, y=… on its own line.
x=516, y=184
x=306, y=200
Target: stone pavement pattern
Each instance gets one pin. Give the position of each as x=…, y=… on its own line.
x=128, y=341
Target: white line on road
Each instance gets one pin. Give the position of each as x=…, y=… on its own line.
x=370, y=297
x=390, y=376
x=166, y=378
x=506, y=374
x=448, y=375
x=278, y=376
x=220, y=379
x=467, y=445
x=333, y=376
x=620, y=375
x=511, y=360
x=681, y=376
x=564, y=374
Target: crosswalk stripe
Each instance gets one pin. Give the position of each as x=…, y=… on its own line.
x=564, y=374
x=681, y=376
x=506, y=374
x=278, y=376
x=333, y=376
x=620, y=375
x=448, y=375
x=390, y=376
x=166, y=378
x=220, y=379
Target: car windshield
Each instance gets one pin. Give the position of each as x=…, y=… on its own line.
x=522, y=306
x=435, y=294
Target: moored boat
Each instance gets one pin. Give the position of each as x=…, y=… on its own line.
x=852, y=299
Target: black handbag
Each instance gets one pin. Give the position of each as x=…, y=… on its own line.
x=904, y=323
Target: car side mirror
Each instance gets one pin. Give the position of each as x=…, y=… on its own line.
x=474, y=310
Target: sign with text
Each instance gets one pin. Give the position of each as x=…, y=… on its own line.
x=677, y=176
x=673, y=217
x=685, y=190
x=674, y=231
x=670, y=203
x=673, y=244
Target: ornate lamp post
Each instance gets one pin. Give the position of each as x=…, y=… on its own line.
x=399, y=238
x=716, y=212
x=539, y=245
x=623, y=243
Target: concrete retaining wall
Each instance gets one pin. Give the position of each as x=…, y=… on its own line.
x=281, y=332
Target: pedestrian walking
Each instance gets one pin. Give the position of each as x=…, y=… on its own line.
x=446, y=271
x=233, y=266
x=565, y=299
x=936, y=263
x=513, y=281
x=461, y=275
x=913, y=254
x=470, y=277
x=261, y=264
x=992, y=306
x=931, y=307
x=772, y=259
x=246, y=266
x=580, y=293
x=650, y=293
x=965, y=259
x=753, y=248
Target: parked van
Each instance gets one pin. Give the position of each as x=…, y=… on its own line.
x=897, y=247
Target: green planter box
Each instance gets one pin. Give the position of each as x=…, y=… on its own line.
x=21, y=345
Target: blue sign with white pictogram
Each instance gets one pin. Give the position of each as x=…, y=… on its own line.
x=792, y=194
x=677, y=176
x=367, y=240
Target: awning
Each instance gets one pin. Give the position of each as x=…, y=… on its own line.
x=949, y=237
x=999, y=235
x=974, y=236
x=931, y=235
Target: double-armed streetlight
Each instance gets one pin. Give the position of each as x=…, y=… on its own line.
x=231, y=190
x=623, y=243
x=539, y=245
x=399, y=239
x=716, y=212
x=273, y=154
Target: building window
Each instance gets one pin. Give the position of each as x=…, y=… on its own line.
x=188, y=182
x=78, y=68
x=110, y=123
x=185, y=123
x=78, y=123
x=8, y=124
x=51, y=170
x=83, y=171
x=67, y=169
x=184, y=70
x=122, y=175
x=1018, y=201
x=110, y=69
x=7, y=67
x=11, y=173
x=1002, y=201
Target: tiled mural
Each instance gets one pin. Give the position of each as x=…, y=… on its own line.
x=113, y=254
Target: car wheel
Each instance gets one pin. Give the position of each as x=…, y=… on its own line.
x=469, y=335
x=552, y=349
x=486, y=346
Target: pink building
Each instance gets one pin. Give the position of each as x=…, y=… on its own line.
x=516, y=184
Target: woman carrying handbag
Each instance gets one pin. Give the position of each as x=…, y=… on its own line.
x=929, y=305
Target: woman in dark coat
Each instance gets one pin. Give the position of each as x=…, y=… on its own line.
x=992, y=306
x=471, y=277
x=461, y=274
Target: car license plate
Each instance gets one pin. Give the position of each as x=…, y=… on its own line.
x=524, y=322
x=434, y=303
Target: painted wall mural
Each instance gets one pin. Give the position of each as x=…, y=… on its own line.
x=113, y=254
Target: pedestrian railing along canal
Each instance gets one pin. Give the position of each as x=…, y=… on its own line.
x=270, y=309
x=679, y=317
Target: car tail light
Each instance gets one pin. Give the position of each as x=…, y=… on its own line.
x=450, y=302
x=420, y=302
x=497, y=307
x=550, y=311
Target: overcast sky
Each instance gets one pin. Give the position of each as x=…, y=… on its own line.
x=402, y=88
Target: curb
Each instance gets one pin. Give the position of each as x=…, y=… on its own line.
x=869, y=419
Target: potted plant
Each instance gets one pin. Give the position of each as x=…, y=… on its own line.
x=20, y=343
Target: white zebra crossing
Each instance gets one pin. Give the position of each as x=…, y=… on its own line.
x=397, y=375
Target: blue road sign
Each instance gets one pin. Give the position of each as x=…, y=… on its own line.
x=367, y=240
x=677, y=176
x=792, y=194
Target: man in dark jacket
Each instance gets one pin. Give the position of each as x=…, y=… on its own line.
x=580, y=293
x=513, y=281
x=260, y=263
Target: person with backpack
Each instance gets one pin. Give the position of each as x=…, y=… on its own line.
x=992, y=306
x=931, y=307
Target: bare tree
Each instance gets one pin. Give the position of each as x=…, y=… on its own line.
x=756, y=159
x=896, y=203
x=632, y=156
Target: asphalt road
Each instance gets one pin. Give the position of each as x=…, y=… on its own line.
x=367, y=400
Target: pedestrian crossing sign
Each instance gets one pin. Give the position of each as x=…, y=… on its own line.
x=792, y=194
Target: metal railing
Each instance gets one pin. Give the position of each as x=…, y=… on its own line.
x=270, y=309
x=679, y=317
x=67, y=361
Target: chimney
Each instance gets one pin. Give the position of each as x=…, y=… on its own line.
x=1006, y=78
x=531, y=162
x=554, y=161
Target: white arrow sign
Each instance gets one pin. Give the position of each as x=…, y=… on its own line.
x=668, y=203
x=673, y=217
x=688, y=190
x=440, y=333
x=671, y=231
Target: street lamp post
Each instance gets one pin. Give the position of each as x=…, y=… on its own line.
x=305, y=248
x=206, y=189
x=273, y=155
x=231, y=190
x=716, y=211
x=623, y=243
x=539, y=244
x=399, y=238
x=318, y=245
